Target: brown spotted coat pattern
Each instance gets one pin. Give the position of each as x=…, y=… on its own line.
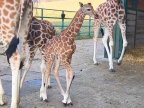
x=59, y=50
x=39, y=34
x=107, y=14
x=15, y=18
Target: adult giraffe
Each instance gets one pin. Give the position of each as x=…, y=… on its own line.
x=107, y=14
x=15, y=18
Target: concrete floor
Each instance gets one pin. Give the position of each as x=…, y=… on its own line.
x=93, y=87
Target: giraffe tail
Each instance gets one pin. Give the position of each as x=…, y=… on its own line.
x=12, y=47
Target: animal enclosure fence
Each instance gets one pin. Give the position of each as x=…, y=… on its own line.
x=62, y=18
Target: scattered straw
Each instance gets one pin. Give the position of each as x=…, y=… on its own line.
x=135, y=56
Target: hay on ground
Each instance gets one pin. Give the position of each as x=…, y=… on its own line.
x=134, y=56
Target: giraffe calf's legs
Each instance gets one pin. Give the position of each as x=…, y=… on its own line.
x=122, y=53
x=43, y=94
x=46, y=70
x=94, y=56
x=96, y=33
x=69, y=79
x=1, y=94
x=49, y=84
x=111, y=52
x=123, y=31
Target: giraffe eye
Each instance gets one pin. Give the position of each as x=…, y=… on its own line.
x=88, y=9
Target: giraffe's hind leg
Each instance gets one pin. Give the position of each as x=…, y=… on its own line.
x=1, y=94
x=66, y=96
x=56, y=74
x=109, y=52
x=46, y=70
x=69, y=79
x=123, y=31
x=28, y=63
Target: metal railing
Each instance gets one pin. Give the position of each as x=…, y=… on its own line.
x=62, y=18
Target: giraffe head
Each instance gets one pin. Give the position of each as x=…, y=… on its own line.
x=87, y=9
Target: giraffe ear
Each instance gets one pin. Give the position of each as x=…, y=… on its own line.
x=89, y=4
x=81, y=4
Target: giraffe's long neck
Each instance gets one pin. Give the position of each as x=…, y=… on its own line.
x=75, y=25
x=114, y=1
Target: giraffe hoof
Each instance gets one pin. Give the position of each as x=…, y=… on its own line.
x=64, y=104
x=70, y=104
x=112, y=70
x=49, y=87
x=119, y=63
x=96, y=64
x=3, y=104
x=46, y=100
x=41, y=99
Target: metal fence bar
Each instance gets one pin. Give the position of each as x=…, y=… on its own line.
x=88, y=26
x=54, y=9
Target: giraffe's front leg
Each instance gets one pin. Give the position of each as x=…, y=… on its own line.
x=56, y=74
x=1, y=94
x=94, y=55
x=49, y=83
x=43, y=94
x=15, y=64
x=96, y=32
x=111, y=55
x=111, y=43
x=69, y=79
x=67, y=98
x=109, y=52
x=123, y=31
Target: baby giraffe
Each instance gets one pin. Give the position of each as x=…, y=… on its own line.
x=59, y=50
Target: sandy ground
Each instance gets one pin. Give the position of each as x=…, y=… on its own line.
x=93, y=87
